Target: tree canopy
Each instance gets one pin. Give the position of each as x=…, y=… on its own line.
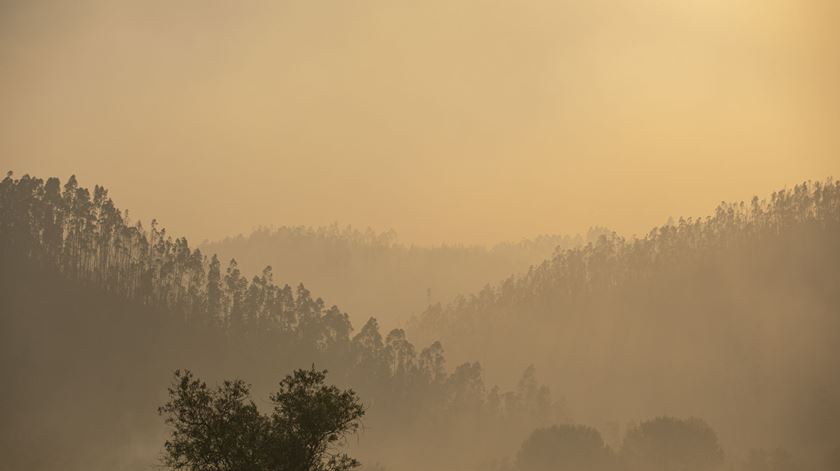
x=668, y=443
x=564, y=448
x=221, y=429
x=186, y=307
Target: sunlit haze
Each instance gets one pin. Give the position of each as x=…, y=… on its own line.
x=413, y=235
x=447, y=121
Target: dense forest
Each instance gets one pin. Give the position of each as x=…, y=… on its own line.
x=731, y=318
x=127, y=305
x=370, y=273
x=458, y=235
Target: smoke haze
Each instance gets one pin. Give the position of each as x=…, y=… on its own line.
x=457, y=121
x=589, y=235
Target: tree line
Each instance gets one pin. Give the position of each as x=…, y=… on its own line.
x=415, y=401
x=374, y=273
x=736, y=311
x=87, y=239
x=612, y=261
x=82, y=236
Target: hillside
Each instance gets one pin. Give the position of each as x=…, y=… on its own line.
x=96, y=313
x=373, y=274
x=734, y=317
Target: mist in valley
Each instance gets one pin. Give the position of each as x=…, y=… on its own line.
x=490, y=236
x=371, y=273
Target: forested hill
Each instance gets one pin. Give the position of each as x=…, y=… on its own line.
x=374, y=274
x=96, y=313
x=734, y=317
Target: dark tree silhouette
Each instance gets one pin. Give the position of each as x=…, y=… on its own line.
x=564, y=447
x=672, y=444
x=221, y=429
x=130, y=292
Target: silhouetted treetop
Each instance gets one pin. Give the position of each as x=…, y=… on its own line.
x=83, y=239
x=221, y=429
x=564, y=447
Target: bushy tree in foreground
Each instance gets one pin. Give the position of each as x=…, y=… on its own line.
x=221, y=429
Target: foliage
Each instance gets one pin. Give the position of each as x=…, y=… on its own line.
x=672, y=444
x=185, y=307
x=126, y=269
x=564, y=447
x=728, y=312
x=221, y=429
x=612, y=261
x=369, y=272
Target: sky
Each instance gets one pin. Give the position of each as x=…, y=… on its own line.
x=458, y=121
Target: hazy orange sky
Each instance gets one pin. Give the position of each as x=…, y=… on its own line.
x=459, y=120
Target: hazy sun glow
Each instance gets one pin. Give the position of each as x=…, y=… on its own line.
x=457, y=121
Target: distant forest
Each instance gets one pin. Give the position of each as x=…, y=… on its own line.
x=83, y=286
x=732, y=318
x=371, y=273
